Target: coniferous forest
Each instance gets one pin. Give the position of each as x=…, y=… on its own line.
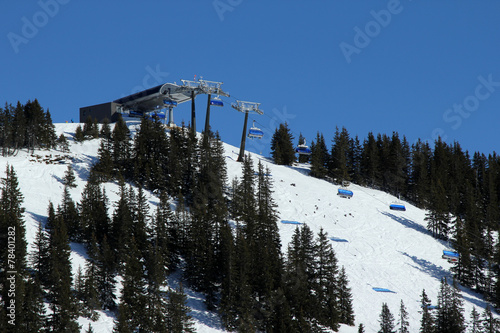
x=222, y=233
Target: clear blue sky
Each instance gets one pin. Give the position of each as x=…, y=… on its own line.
x=414, y=66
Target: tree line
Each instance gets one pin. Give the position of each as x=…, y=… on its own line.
x=459, y=189
x=26, y=126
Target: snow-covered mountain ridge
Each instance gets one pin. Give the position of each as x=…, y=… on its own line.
x=379, y=248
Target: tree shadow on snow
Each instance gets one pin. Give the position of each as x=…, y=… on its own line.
x=439, y=272
x=408, y=223
x=38, y=218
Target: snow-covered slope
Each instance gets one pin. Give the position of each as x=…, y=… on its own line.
x=378, y=247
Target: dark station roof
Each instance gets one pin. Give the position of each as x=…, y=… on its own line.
x=155, y=98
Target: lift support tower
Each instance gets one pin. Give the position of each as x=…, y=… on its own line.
x=203, y=87
x=245, y=107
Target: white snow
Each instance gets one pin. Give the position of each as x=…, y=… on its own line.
x=384, y=248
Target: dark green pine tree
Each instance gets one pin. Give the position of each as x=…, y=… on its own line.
x=361, y=328
x=338, y=168
x=122, y=322
x=93, y=211
x=227, y=290
x=4, y=131
x=282, y=149
x=244, y=204
x=419, y=186
x=33, y=309
x=140, y=217
x=397, y=172
x=240, y=317
x=200, y=249
x=300, y=274
x=489, y=324
x=69, y=212
x=326, y=282
x=403, y=322
x=354, y=159
x=104, y=168
x=69, y=178
x=474, y=323
x=48, y=136
x=18, y=127
x=14, y=249
x=63, y=143
x=35, y=119
x=79, y=137
x=106, y=273
x=90, y=290
x=121, y=146
x=370, y=162
x=319, y=157
x=346, y=310
x=78, y=286
x=384, y=165
x=156, y=306
x=496, y=291
x=427, y=321
x=156, y=268
x=169, y=224
x=386, y=320
x=121, y=226
x=64, y=311
x=438, y=217
x=90, y=128
x=265, y=248
x=40, y=255
x=462, y=269
x=179, y=320
x=282, y=319
x=105, y=131
x=12, y=222
x=132, y=310
x=89, y=329
x=449, y=317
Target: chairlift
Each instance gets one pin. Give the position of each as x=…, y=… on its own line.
x=343, y=192
x=216, y=101
x=255, y=132
x=397, y=206
x=451, y=256
x=303, y=149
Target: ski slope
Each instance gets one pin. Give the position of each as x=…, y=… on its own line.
x=379, y=248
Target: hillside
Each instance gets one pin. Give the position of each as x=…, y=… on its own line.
x=378, y=247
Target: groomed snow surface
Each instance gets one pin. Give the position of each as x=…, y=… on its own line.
x=379, y=248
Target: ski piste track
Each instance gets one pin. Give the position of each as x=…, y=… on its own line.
x=380, y=248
